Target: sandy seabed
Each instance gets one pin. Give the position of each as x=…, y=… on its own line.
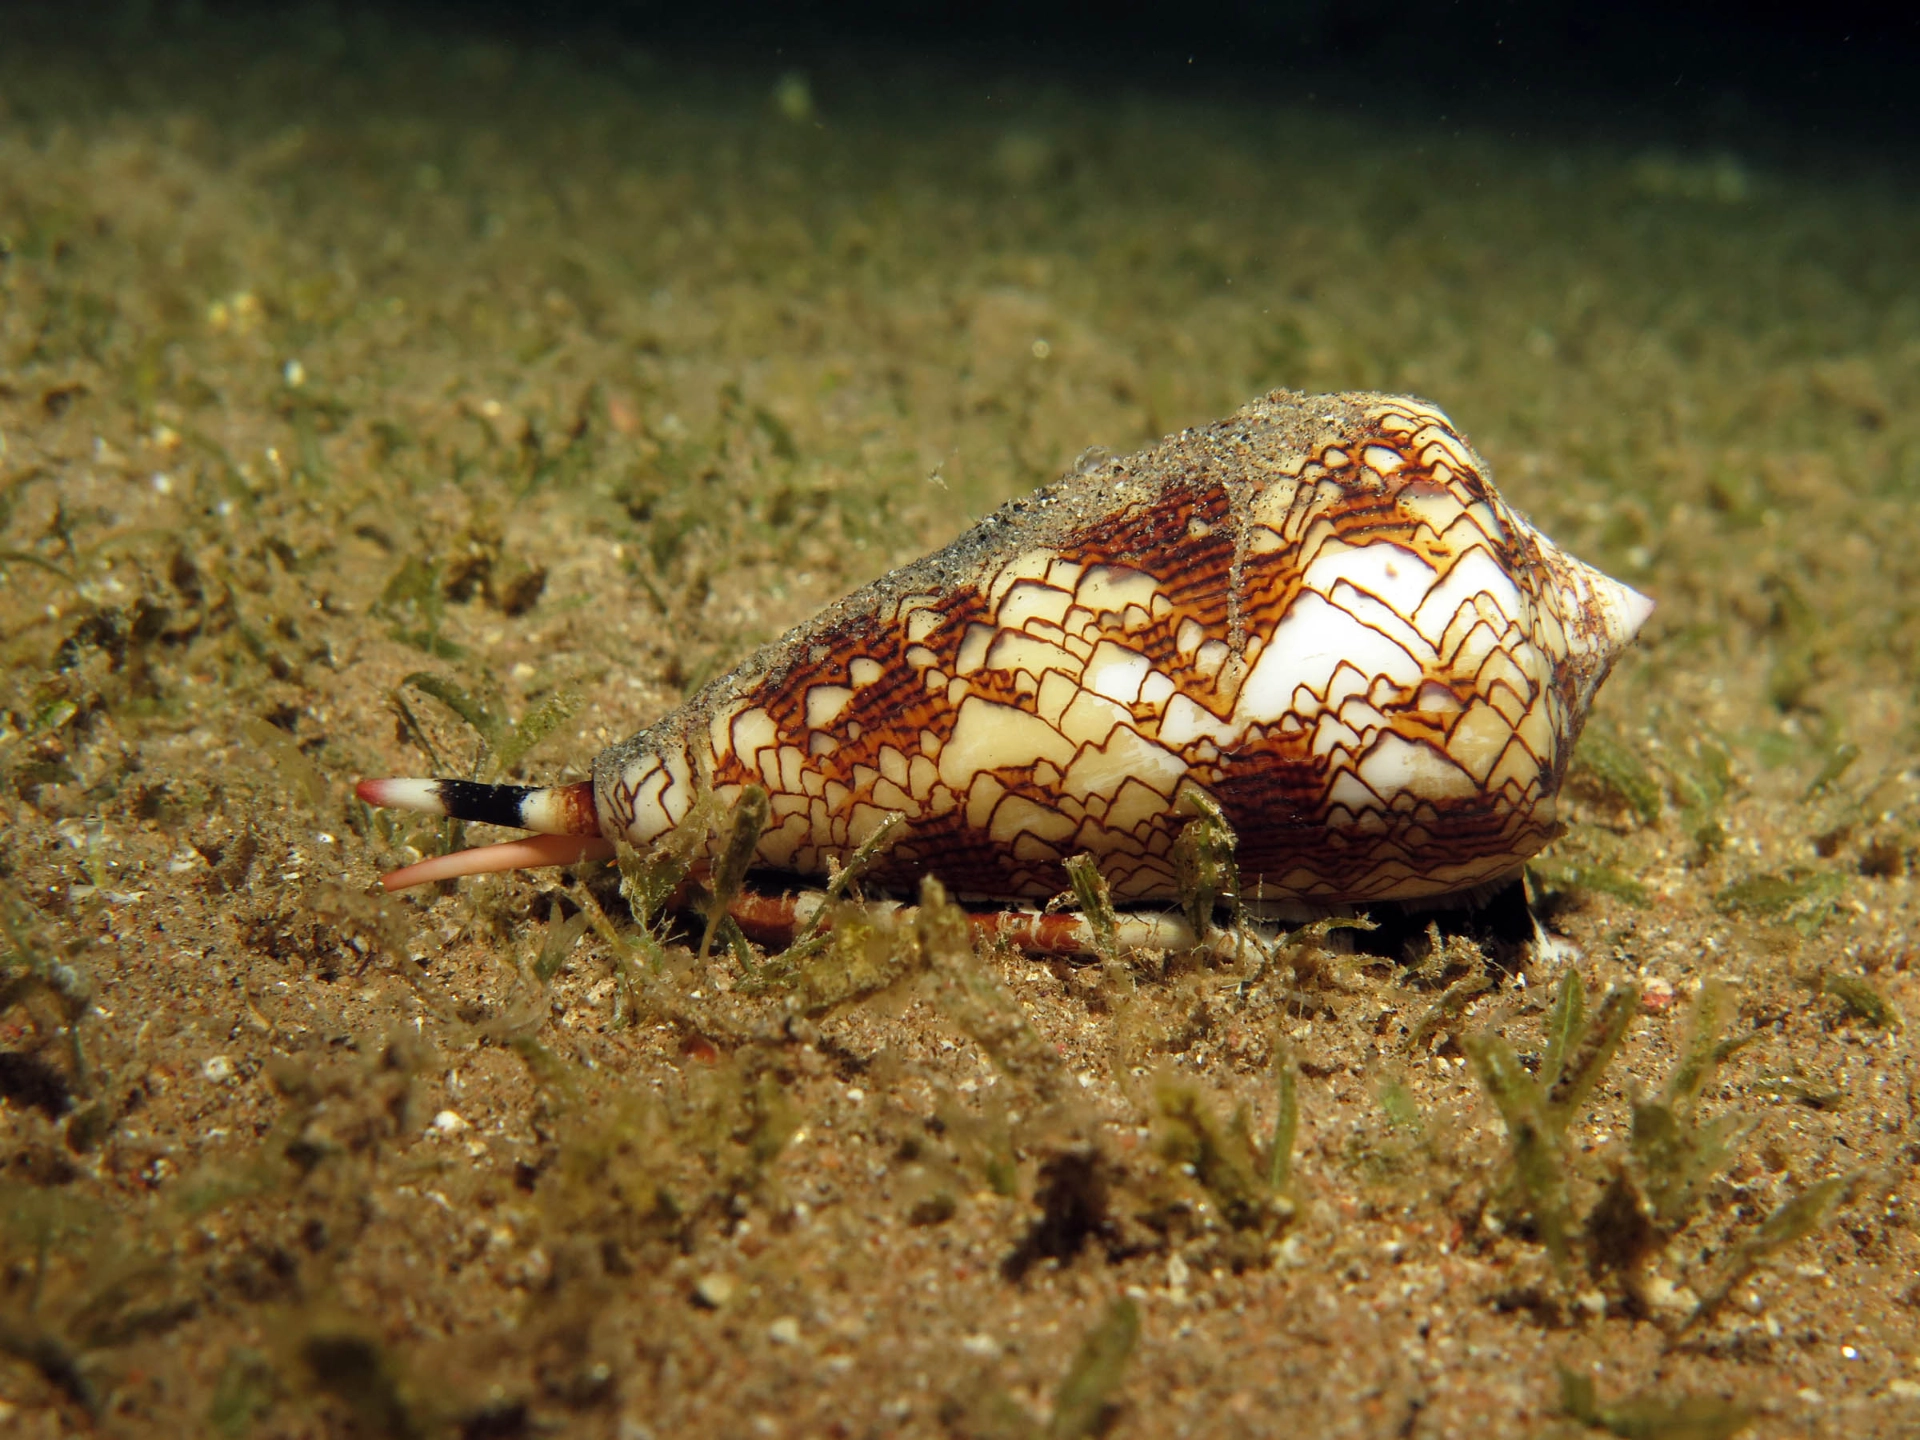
x=334, y=359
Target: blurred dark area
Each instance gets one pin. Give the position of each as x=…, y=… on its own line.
x=1767, y=75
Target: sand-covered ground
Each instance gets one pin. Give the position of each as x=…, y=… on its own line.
x=567, y=378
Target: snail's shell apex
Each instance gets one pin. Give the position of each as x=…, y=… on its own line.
x=1316, y=610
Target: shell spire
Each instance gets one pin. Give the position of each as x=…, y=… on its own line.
x=1317, y=612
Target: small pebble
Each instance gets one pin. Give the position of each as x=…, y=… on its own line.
x=1663, y=1294
x=449, y=1123
x=218, y=1069
x=784, y=1331
x=534, y=1269
x=714, y=1290
x=1656, y=996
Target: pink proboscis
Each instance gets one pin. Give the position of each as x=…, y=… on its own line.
x=508, y=855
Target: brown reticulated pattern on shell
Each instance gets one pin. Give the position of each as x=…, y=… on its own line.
x=1316, y=610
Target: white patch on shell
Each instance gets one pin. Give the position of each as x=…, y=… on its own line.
x=1309, y=644
x=1103, y=769
x=1014, y=650
x=973, y=648
x=825, y=704
x=1117, y=672
x=662, y=793
x=1110, y=589
x=1029, y=565
x=753, y=730
x=1475, y=573
x=988, y=737
x=1033, y=600
x=1381, y=459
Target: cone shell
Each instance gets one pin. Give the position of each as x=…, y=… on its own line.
x=1317, y=611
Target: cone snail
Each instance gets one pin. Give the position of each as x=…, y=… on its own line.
x=1317, y=612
